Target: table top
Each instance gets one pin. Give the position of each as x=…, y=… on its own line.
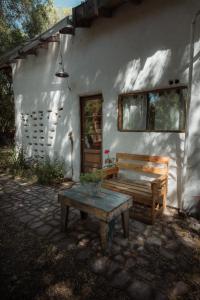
x=106, y=200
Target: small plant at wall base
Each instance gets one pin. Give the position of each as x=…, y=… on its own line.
x=50, y=171
x=17, y=164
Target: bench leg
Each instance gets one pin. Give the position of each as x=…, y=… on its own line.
x=64, y=217
x=153, y=212
x=125, y=223
x=165, y=197
x=83, y=215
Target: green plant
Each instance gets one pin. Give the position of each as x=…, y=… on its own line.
x=91, y=177
x=49, y=171
x=17, y=163
x=5, y=157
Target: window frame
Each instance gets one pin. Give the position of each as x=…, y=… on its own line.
x=120, y=109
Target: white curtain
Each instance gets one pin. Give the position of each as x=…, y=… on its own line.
x=134, y=112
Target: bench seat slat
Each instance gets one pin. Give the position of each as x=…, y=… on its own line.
x=149, y=158
x=138, y=196
x=141, y=168
x=139, y=183
x=131, y=186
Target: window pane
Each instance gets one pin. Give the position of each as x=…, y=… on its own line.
x=134, y=112
x=166, y=110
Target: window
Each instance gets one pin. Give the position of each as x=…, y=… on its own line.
x=161, y=110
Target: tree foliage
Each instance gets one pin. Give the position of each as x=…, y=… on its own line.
x=25, y=19
x=6, y=103
x=20, y=20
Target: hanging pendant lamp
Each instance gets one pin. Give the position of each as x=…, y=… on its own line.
x=61, y=72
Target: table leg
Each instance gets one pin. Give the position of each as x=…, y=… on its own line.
x=64, y=217
x=104, y=230
x=84, y=215
x=111, y=231
x=125, y=223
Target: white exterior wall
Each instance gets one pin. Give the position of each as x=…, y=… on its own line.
x=141, y=47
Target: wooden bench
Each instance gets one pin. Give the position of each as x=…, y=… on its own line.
x=149, y=195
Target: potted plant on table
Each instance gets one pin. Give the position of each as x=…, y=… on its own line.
x=91, y=182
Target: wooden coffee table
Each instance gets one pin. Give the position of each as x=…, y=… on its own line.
x=106, y=207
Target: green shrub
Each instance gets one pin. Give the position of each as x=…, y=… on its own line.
x=5, y=158
x=45, y=172
x=49, y=171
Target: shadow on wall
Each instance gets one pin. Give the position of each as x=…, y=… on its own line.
x=41, y=106
x=192, y=188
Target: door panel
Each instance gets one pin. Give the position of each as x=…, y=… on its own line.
x=91, y=133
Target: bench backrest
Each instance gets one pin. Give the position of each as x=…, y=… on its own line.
x=147, y=163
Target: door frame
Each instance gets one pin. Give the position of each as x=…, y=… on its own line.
x=82, y=99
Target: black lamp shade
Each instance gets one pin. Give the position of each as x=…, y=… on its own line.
x=62, y=74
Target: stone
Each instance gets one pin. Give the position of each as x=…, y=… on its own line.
x=99, y=265
x=119, y=258
x=194, y=224
x=172, y=245
x=121, y=279
x=54, y=232
x=44, y=229
x=168, y=232
x=26, y=218
x=142, y=261
x=180, y=289
x=155, y=241
x=81, y=236
x=160, y=296
x=36, y=224
x=188, y=242
x=113, y=267
x=140, y=241
x=58, y=237
x=83, y=254
x=140, y=249
x=139, y=290
x=116, y=249
x=121, y=242
x=166, y=254
x=144, y=274
x=163, y=238
x=83, y=242
x=130, y=263
x=55, y=223
x=138, y=226
x=127, y=253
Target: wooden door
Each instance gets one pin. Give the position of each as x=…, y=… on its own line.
x=91, y=133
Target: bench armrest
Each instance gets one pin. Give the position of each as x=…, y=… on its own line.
x=110, y=171
x=159, y=185
x=160, y=180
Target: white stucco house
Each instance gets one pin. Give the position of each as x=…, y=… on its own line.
x=126, y=90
